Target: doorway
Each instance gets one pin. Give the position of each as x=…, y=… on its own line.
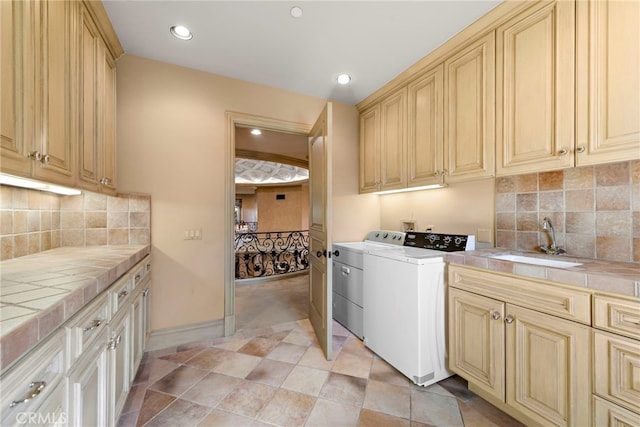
x=237, y=121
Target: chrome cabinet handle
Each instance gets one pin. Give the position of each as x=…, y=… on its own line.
x=113, y=343
x=95, y=323
x=495, y=315
x=345, y=270
x=105, y=181
x=36, y=388
x=581, y=149
x=35, y=155
x=122, y=294
x=509, y=319
x=145, y=292
x=563, y=151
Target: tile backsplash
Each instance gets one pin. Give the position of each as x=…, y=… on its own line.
x=33, y=221
x=595, y=210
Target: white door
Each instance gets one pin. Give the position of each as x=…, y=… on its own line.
x=320, y=287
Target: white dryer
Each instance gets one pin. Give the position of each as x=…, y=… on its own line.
x=348, y=277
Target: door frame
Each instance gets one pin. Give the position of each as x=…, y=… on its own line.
x=243, y=120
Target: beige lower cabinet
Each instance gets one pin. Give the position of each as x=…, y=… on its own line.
x=616, y=367
x=532, y=365
x=88, y=386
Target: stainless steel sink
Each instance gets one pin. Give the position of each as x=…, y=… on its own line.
x=546, y=262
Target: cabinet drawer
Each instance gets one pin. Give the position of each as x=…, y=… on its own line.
x=85, y=326
x=141, y=272
x=617, y=369
x=119, y=293
x=31, y=384
x=547, y=297
x=617, y=315
x=606, y=414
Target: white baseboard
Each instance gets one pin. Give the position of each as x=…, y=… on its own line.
x=169, y=337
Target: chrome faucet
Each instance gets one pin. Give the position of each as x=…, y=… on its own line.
x=553, y=249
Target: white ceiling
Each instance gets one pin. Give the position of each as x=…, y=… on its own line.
x=260, y=42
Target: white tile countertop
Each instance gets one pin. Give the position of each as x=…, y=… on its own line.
x=599, y=275
x=39, y=292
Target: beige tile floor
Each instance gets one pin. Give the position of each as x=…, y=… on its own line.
x=277, y=375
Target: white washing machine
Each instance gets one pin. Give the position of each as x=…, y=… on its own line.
x=348, y=277
x=404, y=300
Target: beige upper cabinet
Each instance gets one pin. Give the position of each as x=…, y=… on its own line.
x=370, y=149
x=97, y=109
x=393, y=141
x=383, y=144
x=58, y=93
x=469, y=111
x=608, y=85
x=535, y=89
x=425, y=128
x=55, y=109
x=38, y=139
x=16, y=18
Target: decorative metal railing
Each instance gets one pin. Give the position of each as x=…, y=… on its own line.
x=272, y=253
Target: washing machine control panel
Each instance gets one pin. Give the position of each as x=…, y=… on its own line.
x=440, y=242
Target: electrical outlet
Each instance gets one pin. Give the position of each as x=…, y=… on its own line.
x=484, y=235
x=193, y=234
x=429, y=228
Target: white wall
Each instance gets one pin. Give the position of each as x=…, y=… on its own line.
x=460, y=208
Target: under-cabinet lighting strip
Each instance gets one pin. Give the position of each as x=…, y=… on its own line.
x=405, y=190
x=16, y=181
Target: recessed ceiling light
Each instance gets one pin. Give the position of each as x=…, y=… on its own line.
x=181, y=32
x=256, y=132
x=344, y=79
x=296, y=12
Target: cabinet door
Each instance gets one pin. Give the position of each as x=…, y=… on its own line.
x=119, y=360
x=608, y=98
x=55, y=106
x=16, y=138
x=425, y=123
x=370, y=150
x=88, y=386
x=393, y=140
x=470, y=110
x=606, y=414
x=138, y=332
x=108, y=133
x=476, y=340
x=89, y=120
x=147, y=313
x=548, y=366
x=535, y=89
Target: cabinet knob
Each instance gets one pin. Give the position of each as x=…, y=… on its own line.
x=581, y=149
x=122, y=294
x=45, y=159
x=436, y=173
x=35, y=155
x=495, y=315
x=509, y=319
x=145, y=292
x=563, y=151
